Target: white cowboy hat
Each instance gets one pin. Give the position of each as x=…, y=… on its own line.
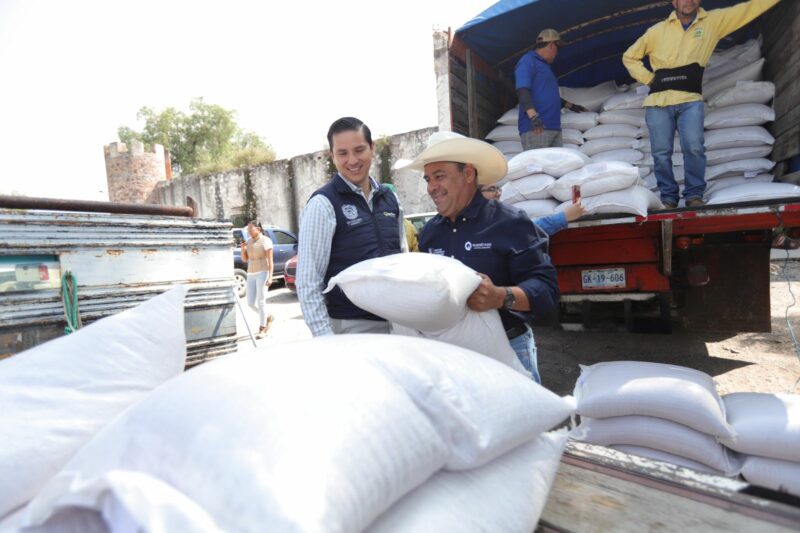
x=450, y=146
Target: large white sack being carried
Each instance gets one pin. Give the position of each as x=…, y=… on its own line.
x=738, y=137
x=744, y=92
x=504, y=132
x=611, y=130
x=537, y=208
x=783, y=476
x=579, y=121
x=726, y=155
x=509, y=147
x=628, y=155
x=632, y=117
x=664, y=457
x=420, y=291
x=628, y=100
x=676, y=393
x=532, y=187
x=714, y=186
x=594, y=179
x=510, y=117
x=731, y=60
x=746, y=167
x=56, y=396
x=766, y=424
x=658, y=434
x=635, y=200
x=739, y=115
x=606, y=144
x=553, y=161
x=591, y=98
x=750, y=72
x=508, y=494
x=325, y=450
x=480, y=332
x=572, y=136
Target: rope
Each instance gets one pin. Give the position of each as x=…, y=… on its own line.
x=69, y=295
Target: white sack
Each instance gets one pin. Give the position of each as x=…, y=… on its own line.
x=746, y=167
x=594, y=179
x=606, y=144
x=783, y=476
x=627, y=100
x=479, y=332
x=537, y=208
x=643, y=171
x=428, y=292
x=664, y=457
x=635, y=200
x=553, y=161
x=738, y=137
x=744, y=92
x=750, y=72
x=767, y=425
x=676, y=393
x=658, y=434
x=572, y=136
x=510, y=117
x=632, y=117
x=532, y=187
x=56, y=396
x=509, y=147
x=726, y=155
x=627, y=155
x=508, y=494
x=739, y=115
x=591, y=98
x=611, y=130
x=504, y=132
x=713, y=187
x=731, y=60
x=579, y=121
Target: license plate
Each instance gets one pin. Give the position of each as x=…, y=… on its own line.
x=607, y=278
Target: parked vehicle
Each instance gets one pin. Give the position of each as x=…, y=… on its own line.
x=284, y=247
x=290, y=274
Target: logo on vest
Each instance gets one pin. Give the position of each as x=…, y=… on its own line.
x=349, y=211
x=469, y=246
x=436, y=251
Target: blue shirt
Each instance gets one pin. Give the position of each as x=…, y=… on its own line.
x=534, y=73
x=503, y=243
x=552, y=224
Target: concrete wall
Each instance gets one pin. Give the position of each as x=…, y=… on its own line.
x=278, y=191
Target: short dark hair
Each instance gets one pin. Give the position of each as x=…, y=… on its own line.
x=348, y=124
x=462, y=166
x=257, y=224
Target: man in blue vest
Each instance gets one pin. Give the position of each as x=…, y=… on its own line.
x=350, y=219
x=499, y=242
x=540, y=102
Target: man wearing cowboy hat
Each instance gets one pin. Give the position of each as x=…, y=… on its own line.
x=540, y=102
x=500, y=243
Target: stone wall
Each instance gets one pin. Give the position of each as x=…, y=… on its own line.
x=278, y=191
x=134, y=171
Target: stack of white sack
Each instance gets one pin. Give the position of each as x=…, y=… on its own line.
x=530, y=175
x=339, y=433
x=768, y=437
x=425, y=295
x=670, y=409
x=610, y=187
x=592, y=98
x=505, y=137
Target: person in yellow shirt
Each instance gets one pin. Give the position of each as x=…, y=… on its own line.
x=679, y=49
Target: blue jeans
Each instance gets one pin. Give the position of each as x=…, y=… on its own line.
x=525, y=348
x=688, y=120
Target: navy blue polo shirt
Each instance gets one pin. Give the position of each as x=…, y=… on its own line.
x=503, y=243
x=534, y=73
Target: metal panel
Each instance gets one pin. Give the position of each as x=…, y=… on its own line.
x=120, y=261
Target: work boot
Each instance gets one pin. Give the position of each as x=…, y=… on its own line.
x=695, y=202
x=670, y=205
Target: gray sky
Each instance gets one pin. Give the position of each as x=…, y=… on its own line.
x=73, y=72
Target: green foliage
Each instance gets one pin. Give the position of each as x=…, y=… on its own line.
x=205, y=140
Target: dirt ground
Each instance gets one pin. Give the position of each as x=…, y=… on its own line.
x=744, y=362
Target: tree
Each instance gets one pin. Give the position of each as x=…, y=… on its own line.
x=205, y=140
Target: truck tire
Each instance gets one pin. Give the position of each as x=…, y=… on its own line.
x=240, y=279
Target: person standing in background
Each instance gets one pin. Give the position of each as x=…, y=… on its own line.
x=257, y=251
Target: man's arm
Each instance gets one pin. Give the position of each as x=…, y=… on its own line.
x=732, y=18
x=317, y=226
x=633, y=59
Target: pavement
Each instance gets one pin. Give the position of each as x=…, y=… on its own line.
x=288, y=326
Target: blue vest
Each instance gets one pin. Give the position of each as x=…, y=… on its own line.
x=360, y=234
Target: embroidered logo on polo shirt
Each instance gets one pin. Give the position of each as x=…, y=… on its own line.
x=349, y=211
x=389, y=214
x=698, y=33
x=469, y=246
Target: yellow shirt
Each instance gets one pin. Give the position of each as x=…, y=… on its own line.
x=669, y=46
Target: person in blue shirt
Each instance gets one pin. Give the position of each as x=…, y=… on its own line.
x=540, y=102
x=499, y=242
x=551, y=224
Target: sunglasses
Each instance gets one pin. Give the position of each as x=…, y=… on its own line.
x=491, y=188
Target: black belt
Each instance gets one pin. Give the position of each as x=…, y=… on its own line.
x=688, y=78
x=516, y=331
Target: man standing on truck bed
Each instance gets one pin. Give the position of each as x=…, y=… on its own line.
x=499, y=242
x=348, y=220
x=679, y=49
x=540, y=102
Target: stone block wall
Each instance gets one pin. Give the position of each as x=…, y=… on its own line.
x=134, y=171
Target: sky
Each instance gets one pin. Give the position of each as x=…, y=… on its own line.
x=72, y=72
